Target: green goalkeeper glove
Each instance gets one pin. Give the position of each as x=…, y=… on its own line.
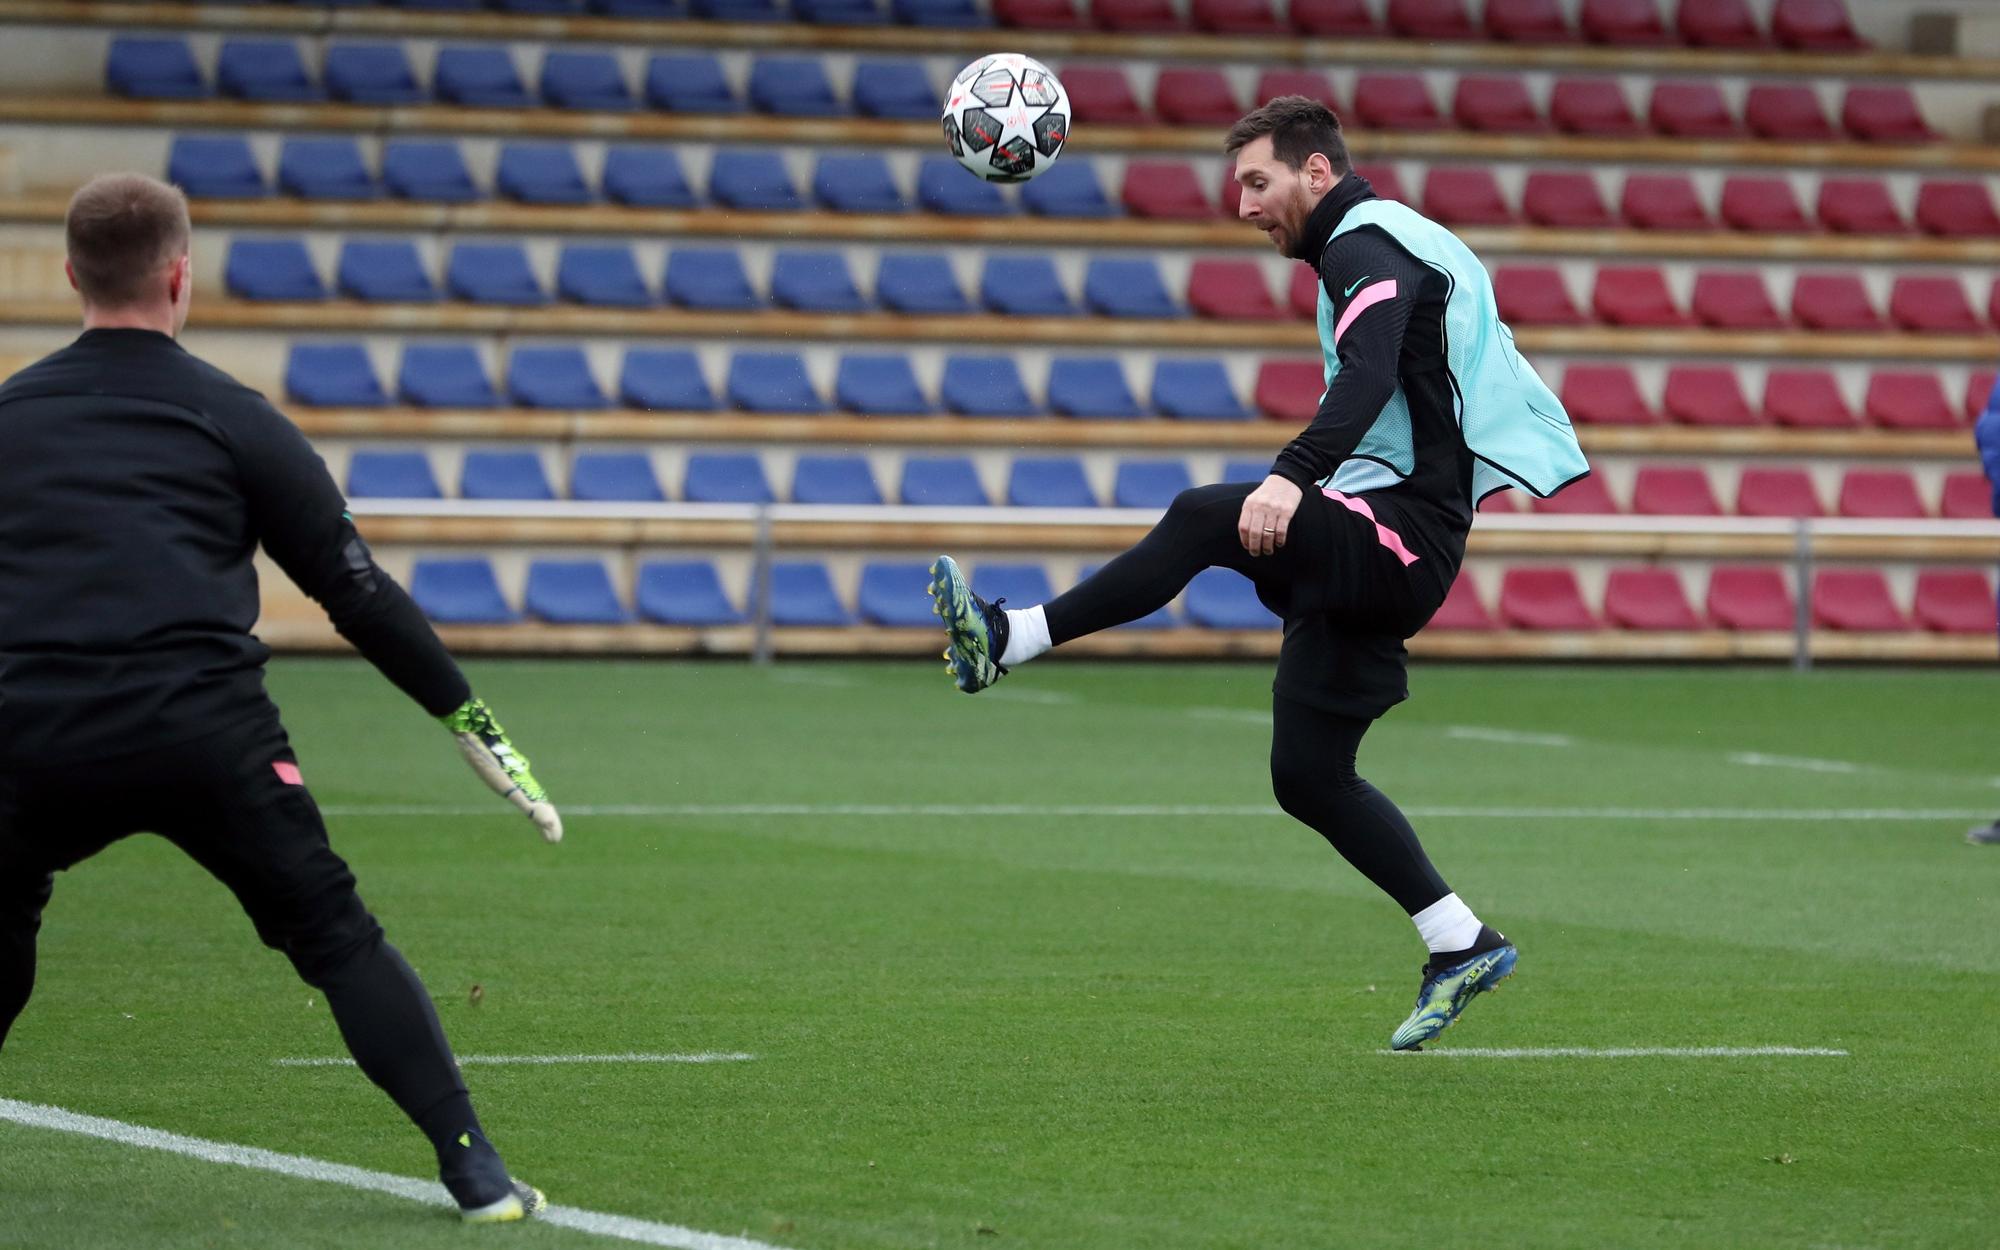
x=484, y=745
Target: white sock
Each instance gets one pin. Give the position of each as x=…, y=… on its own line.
x=1447, y=925
x=1027, y=635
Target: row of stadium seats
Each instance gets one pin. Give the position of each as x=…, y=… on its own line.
x=1713, y=396
x=1737, y=299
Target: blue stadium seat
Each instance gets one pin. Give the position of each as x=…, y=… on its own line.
x=665, y=380
x=573, y=592
x=857, y=184
x=552, y=377
x=814, y=282
x=1022, y=585
x=1023, y=286
x=881, y=386
x=646, y=178
x=503, y=475
x=945, y=186
x=654, y=9
x=1149, y=483
x=708, y=277
x=793, y=86
x=585, y=80
x=267, y=269
x=899, y=89
x=332, y=375
x=1245, y=470
x=1090, y=386
x=460, y=592
x=325, y=169
x=384, y=271
x=391, y=475
x=153, y=69
x=752, y=180
x=802, y=593
x=493, y=273
x=985, y=386
x=264, y=69
x=771, y=382
x=684, y=592
x=1069, y=189
x=605, y=274
x=483, y=77
x=689, y=83
x=371, y=73
x=220, y=168
x=444, y=375
x=894, y=593
x=840, y=12
x=1220, y=598
x=614, y=477
x=739, y=10
x=919, y=282
x=1049, y=482
x=726, y=477
x=439, y=5
x=541, y=173
x=1161, y=618
x=538, y=6
x=955, y=13
x=430, y=170
x=942, y=481
x=1127, y=287
x=1196, y=390
x=834, y=480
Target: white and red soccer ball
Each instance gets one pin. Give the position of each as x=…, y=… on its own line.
x=1006, y=117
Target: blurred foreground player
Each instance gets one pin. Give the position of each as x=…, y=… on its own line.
x=1357, y=532
x=136, y=483
x=1987, y=434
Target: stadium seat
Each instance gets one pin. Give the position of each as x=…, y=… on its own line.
x=919, y=283
x=1430, y=19
x=985, y=386
x=712, y=278
x=725, y=477
x=1335, y=19
x=1534, y=295
x=1465, y=197
x=1196, y=390
x=738, y=10
x=1834, y=301
x=1884, y=114
x=1762, y=205
x=1302, y=296
x=1707, y=395
x=1806, y=399
x=1048, y=482
x=384, y=271
x=503, y=475
x=896, y=593
x=1127, y=287
x=552, y=377
x=371, y=73
x=689, y=83
x=802, y=594
x=585, y=80
x=1673, y=490
x=541, y=173
x=1496, y=105
x=1589, y=496
x=220, y=168
x=1982, y=386
x=1528, y=21
x=1648, y=599
x=942, y=481
x=771, y=382
x=895, y=89
x=1969, y=496
x=1070, y=189
x=1858, y=206
x=1232, y=290
x=1149, y=483
x=1139, y=16
x=332, y=375
x=1750, y=599
x=1955, y=601
x=1629, y=22
x=1735, y=299
x=1787, y=112
x=481, y=77
x=943, y=186
x=1250, y=470
x=1691, y=110
x=1880, y=494
x=752, y=180
x=1567, y=200
x=1605, y=395
x=793, y=86
x=1023, y=286
x=1777, y=493
x=460, y=592
x=1039, y=14
x=840, y=12
x=1908, y=400
x=879, y=385
x=325, y=169
x=573, y=592
x=1195, y=97
x=427, y=170
x=1090, y=387
x=1290, y=390
x=1718, y=24
x=1309, y=83
x=1855, y=601
x=1462, y=609
x=272, y=269
x=153, y=69
x=444, y=375
x=814, y=281
x=1102, y=96
x=1236, y=17
x=493, y=273
x=1019, y=584
x=950, y=13
x=614, y=477
x=1634, y=295
x=1957, y=210
x=602, y=274
x=1593, y=106
x=1380, y=176
x=1544, y=599
x=664, y=380
x=391, y=475
x=1388, y=101
x=1815, y=26
x=1166, y=189
x=1933, y=305
x=646, y=178
x=822, y=479
x=264, y=69
x=1663, y=202
x=1222, y=598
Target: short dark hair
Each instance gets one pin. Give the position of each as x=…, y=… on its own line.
x=1299, y=126
x=122, y=230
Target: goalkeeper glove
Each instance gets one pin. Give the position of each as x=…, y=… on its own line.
x=484, y=745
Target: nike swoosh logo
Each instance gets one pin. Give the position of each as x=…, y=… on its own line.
x=1350, y=290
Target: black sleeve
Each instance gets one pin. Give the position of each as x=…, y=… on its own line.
x=1359, y=270
x=301, y=519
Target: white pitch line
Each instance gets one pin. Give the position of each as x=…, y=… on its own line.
x=1512, y=737
x=707, y=1056
x=1164, y=810
x=430, y=1193
x=1635, y=1052
x=1757, y=759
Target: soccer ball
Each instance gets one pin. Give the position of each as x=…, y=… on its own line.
x=1006, y=117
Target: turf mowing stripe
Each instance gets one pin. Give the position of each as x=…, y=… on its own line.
x=707, y=1056
x=1636, y=1052
x=430, y=1193
x=1513, y=737
x=1757, y=759
x=1159, y=810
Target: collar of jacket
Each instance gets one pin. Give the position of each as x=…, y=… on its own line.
x=1326, y=215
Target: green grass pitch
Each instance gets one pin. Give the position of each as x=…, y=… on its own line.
x=1046, y=1023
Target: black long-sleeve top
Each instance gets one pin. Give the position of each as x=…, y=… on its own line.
x=136, y=483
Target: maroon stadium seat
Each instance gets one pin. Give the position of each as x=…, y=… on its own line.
x=1237, y=17
x=1777, y=493
x=1605, y=395
x=1719, y=24
x=1396, y=102
x=1039, y=14
x=1196, y=97
x=1855, y=601
x=1102, y=96
x=1979, y=392
x=1815, y=26
x=1806, y=399
x=1499, y=501
x=1341, y=19
x=1900, y=399
x=1762, y=205
x=1787, y=111
x=1993, y=305
x=1135, y=15
x=1634, y=295
x=1232, y=290
x=1534, y=295
x=1957, y=210
x=1496, y=104
x=1933, y=304
x=1165, y=189
x=1673, y=490
x=1232, y=193
x=1566, y=199
x=1885, y=115
x=1585, y=497
x=1833, y=301
x=1465, y=197
x=1750, y=598
x=1858, y=206
x=1707, y=395
x=1306, y=82
x=1384, y=178
x=1880, y=494
x=1593, y=106
x=1955, y=601
x=1735, y=299
x=1431, y=19
x=1544, y=599
x=1528, y=21
x=1968, y=496
x=1623, y=21
x=1461, y=608
x=1303, y=294
x=1663, y=202
x=1289, y=390
x=1647, y=598
x=1691, y=110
